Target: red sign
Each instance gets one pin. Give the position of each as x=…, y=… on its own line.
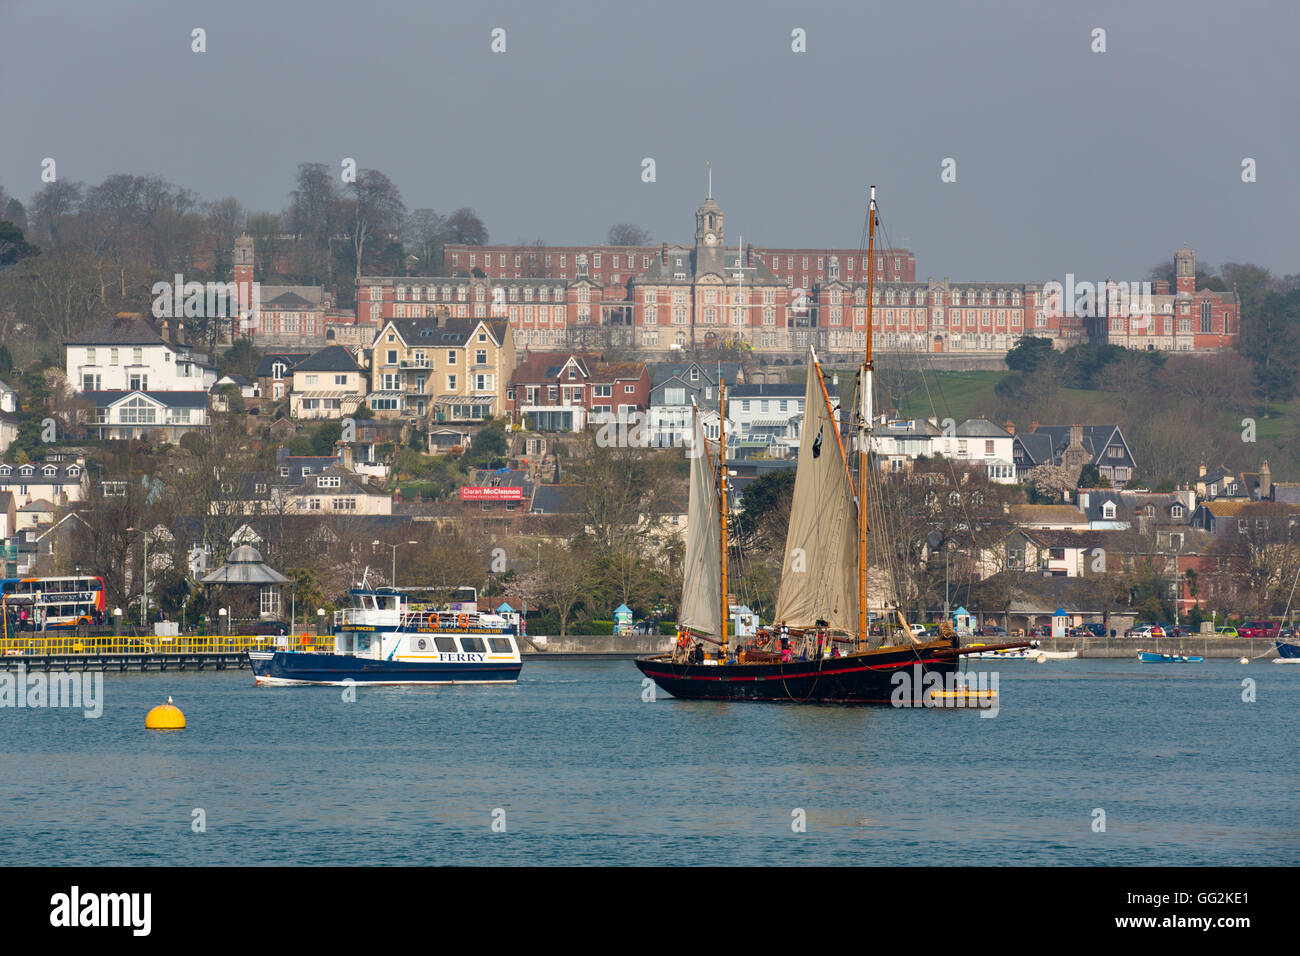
x=469, y=493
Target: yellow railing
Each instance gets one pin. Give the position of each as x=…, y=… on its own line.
x=34, y=645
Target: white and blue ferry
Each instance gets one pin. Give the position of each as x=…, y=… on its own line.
x=385, y=638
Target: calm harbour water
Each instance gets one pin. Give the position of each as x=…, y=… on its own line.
x=587, y=773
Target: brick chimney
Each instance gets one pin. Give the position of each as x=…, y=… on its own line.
x=663, y=255
x=1076, y=435
x=1159, y=286
x=1265, y=482
x=1033, y=426
x=1200, y=472
x=1010, y=427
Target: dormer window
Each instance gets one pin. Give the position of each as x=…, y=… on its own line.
x=1176, y=511
x=26, y=470
x=48, y=471
x=1108, y=510
x=73, y=471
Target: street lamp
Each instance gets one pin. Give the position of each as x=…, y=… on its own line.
x=221, y=618
x=393, y=579
x=144, y=589
x=320, y=620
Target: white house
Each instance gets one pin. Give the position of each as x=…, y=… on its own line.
x=128, y=355
x=770, y=412
x=58, y=481
x=8, y=417
x=156, y=416
x=898, y=443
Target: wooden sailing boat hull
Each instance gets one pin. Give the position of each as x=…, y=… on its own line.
x=866, y=678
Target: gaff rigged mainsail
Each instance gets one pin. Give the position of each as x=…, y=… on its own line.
x=701, y=607
x=819, y=579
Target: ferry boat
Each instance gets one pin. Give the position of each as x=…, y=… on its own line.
x=385, y=638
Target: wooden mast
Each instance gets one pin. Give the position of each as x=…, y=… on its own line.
x=864, y=432
x=722, y=504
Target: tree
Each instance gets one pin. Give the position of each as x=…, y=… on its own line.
x=52, y=207
x=558, y=583
x=465, y=227
x=1270, y=339
x=1050, y=483
x=315, y=214
x=13, y=245
x=375, y=208
x=423, y=234
x=627, y=234
x=1030, y=354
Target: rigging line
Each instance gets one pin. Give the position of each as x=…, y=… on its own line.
x=962, y=499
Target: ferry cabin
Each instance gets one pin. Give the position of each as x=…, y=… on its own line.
x=382, y=625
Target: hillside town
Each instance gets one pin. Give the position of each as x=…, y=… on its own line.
x=518, y=421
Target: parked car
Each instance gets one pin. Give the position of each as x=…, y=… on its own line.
x=1145, y=631
x=1227, y=631
x=1265, y=629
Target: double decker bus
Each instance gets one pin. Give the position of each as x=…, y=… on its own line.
x=52, y=603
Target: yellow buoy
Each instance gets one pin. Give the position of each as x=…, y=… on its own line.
x=165, y=717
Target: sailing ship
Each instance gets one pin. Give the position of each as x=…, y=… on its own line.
x=822, y=649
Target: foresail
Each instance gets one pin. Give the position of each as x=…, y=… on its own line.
x=819, y=579
x=701, y=607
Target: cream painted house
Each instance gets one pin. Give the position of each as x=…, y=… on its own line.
x=327, y=384
x=446, y=369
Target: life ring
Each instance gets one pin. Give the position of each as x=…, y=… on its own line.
x=462, y=620
x=431, y=620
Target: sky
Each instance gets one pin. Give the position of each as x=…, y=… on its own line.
x=1066, y=160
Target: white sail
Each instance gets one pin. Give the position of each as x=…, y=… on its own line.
x=701, y=607
x=819, y=579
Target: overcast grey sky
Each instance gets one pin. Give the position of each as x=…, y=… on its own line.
x=1067, y=160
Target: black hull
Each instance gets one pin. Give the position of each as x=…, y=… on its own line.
x=866, y=678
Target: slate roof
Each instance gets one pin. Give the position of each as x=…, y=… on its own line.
x=264, y=367
x=333, y=359
x=1047, y=514
x=119, y=331
x=288, y=300
x=556, y=499
x=168, y=399
x=981, y=428
x=442, y=332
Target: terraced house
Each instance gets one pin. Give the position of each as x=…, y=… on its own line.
x=441, y=368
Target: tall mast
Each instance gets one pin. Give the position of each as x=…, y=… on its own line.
x=864, y=432
x=722, y=503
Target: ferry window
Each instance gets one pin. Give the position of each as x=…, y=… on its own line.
x=446, y=645
x=500, y=645
x=472, y=645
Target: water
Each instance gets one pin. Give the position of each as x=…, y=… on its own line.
x=587, y=773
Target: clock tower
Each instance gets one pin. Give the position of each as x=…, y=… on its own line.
x=709, y=237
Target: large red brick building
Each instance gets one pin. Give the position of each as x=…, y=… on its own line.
x=775, y=302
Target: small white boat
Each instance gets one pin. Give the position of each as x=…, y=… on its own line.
x=1042, y=655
